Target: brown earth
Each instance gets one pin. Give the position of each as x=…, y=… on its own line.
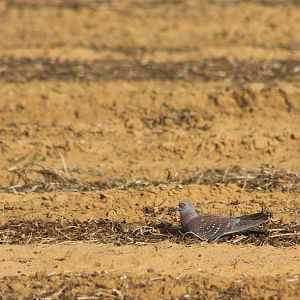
x=113, y=111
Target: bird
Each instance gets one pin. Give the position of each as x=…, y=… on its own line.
x=211, y=227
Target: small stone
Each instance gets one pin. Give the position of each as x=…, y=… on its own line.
x=45, y=204
x=9, y=206
x=294, y=136
x=150, y=270
x=17, y=286
x=102, y=196
x=169, y=122
x=261, y=143
x=107, y=284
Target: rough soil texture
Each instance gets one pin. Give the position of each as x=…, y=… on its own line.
x=113, y=111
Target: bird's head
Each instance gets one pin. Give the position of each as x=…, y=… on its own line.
x=185, y=206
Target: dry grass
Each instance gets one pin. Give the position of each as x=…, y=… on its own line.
x=36, y=178
x=121, y=233
x=267, y=179
x=75, y=285
x=25, y=70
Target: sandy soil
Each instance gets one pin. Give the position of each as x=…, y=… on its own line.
x=113, y=111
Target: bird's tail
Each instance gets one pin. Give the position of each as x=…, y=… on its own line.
x=261, y=216
x=249, y=221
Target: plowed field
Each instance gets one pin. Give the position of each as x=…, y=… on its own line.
x=113, y=111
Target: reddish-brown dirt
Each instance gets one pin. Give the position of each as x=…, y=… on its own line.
x=113, y=111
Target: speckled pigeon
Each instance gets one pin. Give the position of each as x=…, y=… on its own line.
x=211, y=227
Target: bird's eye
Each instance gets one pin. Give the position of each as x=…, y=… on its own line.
x=181, y=204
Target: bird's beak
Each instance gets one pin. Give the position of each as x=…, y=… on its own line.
x=177, y=207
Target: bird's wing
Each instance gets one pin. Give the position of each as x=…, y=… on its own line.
x=209, y=227
x=212, y=227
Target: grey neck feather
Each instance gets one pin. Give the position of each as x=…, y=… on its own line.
x=186, y=217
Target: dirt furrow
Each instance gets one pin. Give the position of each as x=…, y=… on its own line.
x=35, y=178
x=102, y=231
x=148, y=205
x=26, y=70
x=71, y=285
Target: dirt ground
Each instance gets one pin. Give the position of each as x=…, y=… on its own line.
x=113, y=111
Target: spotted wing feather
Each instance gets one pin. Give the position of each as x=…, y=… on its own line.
x=209, y=227
x=213, y=227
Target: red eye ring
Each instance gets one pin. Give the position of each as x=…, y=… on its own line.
x=182, y=204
